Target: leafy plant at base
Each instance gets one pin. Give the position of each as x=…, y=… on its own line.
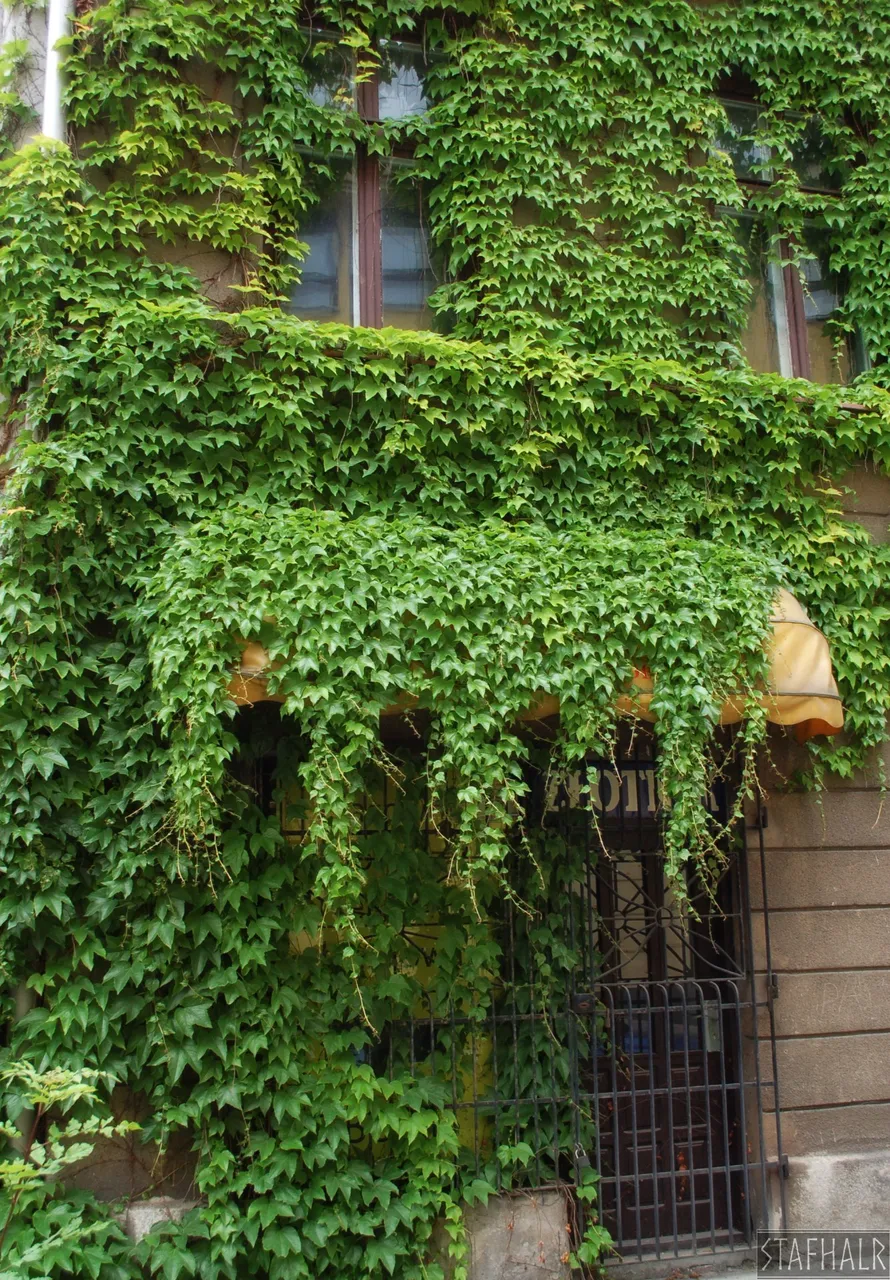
x=42, y=1233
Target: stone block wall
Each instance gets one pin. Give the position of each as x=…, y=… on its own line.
x=828, y=882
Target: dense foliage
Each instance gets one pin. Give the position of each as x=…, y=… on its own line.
x=41, y=1232
x=583, y=477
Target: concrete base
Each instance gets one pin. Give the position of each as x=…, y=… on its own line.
x=848, y=1192
x=526, y=1236
x=142, y=1215
x=520, y=1237
x=734, y=1264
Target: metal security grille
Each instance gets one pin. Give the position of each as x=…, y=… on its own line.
x=640, y=1059
x=667, y=1000
x=618, y=1035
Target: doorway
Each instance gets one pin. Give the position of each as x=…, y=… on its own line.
x=664, y=1056
x=617, y=1035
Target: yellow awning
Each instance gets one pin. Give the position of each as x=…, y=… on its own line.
x=801, y=689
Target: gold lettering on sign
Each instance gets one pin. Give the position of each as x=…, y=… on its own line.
x=614, y=787
x=632, y=791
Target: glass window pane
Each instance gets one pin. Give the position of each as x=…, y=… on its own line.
x=329, y=68
x=750, y=158
x=411, y=266
x=402, y=88
x=324, y=291
x=814, y=160
x=765, y=338
x=830, y=354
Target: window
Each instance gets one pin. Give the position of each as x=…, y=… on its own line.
x=750, y=156
x=401, y=81
x=371, y=259
x=792, y=320
x=766, y=339
x=814, y=297
x=812, y=156
x=326, y=288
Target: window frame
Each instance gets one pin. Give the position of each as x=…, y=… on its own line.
x=793, y=343
x=367, y=230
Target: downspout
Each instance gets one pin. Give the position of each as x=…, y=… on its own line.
x=52, y=125
x=58, y=19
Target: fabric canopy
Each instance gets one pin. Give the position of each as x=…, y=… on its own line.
x=801, y=690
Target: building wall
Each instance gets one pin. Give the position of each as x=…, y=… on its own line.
x=828, y=877
x=27, y=23
x=828, y=886
x=828, y=882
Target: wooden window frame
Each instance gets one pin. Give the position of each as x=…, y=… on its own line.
x=795, y=316
x=369, y=248
x=366, y=248
x=369, y=209
x=367, y=182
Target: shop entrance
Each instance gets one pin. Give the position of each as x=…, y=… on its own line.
x=660, y=1030
x=623, y=1041
x=617, y=1033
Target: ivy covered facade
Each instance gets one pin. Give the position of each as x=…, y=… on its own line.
x=458, y=358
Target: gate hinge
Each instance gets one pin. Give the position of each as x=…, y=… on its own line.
x=761, y=819
x=780, y=1166
x=773, y=988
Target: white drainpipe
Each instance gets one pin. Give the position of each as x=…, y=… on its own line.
x=58, y=17
x=52, y=125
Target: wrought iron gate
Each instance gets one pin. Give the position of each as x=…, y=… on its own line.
x=640, y=1060
x=667, y=999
